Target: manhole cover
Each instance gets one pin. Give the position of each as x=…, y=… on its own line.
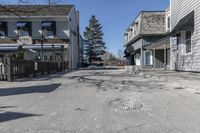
x=126, y=104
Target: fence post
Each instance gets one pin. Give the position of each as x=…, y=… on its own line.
x=9, y=69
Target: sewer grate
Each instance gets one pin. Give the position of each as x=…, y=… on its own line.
x=126, y=104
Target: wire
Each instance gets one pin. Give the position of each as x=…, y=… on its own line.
x=130, y=15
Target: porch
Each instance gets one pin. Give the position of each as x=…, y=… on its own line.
x=157, y=55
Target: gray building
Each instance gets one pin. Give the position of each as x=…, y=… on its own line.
x=27, y=27
x=185, y=41
x=148, y=27
x=161, y=48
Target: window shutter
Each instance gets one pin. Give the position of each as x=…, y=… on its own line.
x=30, y=28
x=54, y=28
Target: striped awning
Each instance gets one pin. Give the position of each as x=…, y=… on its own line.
x=15, y=47
x=46, y=24
x=8, y=48
x=21, y=24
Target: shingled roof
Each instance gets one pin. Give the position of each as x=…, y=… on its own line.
x=35, y=10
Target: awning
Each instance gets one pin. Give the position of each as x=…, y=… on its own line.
x=12, y=47
x=46, y=24
x=160, y=44
x=186, y=23
x=21, y=24
x=130, y=49
x=8, y=48
x=45, y=47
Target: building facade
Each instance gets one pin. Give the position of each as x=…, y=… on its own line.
x=48, y=33
x=161, y=48
x=185, y=40
x=148, y=27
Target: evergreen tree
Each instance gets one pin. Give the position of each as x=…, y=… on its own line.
x=95, y=46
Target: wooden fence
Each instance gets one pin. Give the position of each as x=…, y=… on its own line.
x=12, y=68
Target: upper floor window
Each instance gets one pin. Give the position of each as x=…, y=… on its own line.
x=136, y=28
x=188, y=38
x=24, y=29
x=168, y=23
x=49, y=28
x=3, y=29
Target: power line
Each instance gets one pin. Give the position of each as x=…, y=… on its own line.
x=130, y=15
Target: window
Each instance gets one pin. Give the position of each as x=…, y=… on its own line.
x=24, y=29
x=178, y=38
x=136, y=28
x=49, y=29
x=3, y=29
x=148, y=58
x=188, y=36
x=168, y=22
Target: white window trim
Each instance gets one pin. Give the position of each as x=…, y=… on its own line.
x=188, y=53
x=151, y=58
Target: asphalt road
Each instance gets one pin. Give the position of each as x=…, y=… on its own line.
x=101, y=101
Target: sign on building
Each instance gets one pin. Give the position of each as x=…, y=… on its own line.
x=24, y=41
x=174, y=43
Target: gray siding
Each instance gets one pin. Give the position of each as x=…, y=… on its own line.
x=36, y=29
x=153, y=23
x=12, y=29
x=62, y=29
x=180, y=59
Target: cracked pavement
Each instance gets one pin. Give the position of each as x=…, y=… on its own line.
x=78, y=102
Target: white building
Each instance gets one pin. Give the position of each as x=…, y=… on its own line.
x=29, y=26
x=185, y=43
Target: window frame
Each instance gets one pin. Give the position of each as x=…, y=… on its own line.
x=24, y=29
x=168, y=22
x=47, y=30
x=150, y=58
x=188, y=39
x=3, y=29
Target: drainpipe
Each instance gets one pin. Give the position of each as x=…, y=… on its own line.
x=165, y=61
x=154, y=59
x=42, y=48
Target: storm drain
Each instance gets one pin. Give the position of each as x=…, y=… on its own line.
x=125, y=104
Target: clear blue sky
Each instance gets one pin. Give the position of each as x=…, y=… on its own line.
x=114, y=15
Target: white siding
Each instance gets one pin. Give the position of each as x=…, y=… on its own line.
x=36, y=29
x=62, y=29
x=191, y=61
x=73, y=51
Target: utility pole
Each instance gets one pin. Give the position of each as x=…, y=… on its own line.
x=49, y=2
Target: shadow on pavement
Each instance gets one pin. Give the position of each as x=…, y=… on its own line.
x=8, y=116
x=99, y=68
x=28, y=90
x=44, y=77
x=5, y=107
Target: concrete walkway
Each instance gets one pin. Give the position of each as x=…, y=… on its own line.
x=102, y=101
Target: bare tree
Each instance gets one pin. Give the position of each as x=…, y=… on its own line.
x=120, y=54
x=17, y=11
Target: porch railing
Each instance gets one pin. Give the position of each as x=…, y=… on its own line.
x=12, y=68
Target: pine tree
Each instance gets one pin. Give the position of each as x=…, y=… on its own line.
x=95, y=46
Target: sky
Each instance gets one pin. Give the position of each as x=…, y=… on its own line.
x=114, y=15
